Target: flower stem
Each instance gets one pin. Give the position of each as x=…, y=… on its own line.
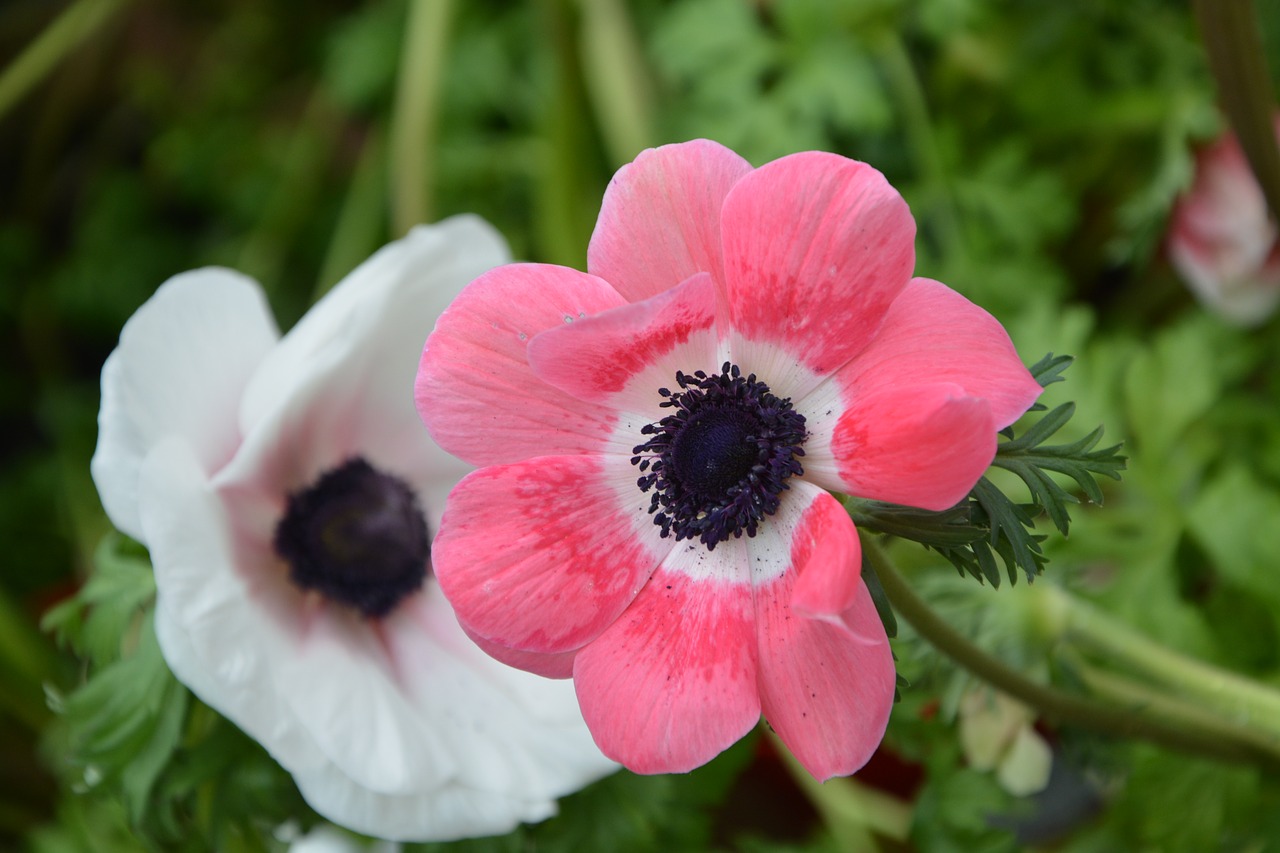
x=617, y=79
x=361, y=220
x=1245, y=702
x=1229, y=30
x=1124, y=691
x=58, y=41
x=918, y=127
x=413, y=123
x=1056, y=705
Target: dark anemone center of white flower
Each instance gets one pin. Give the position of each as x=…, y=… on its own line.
x=357, y=536
x=718, y=464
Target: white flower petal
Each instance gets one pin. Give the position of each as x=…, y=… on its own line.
x=392, y=299
x=444, y=815
x=327, y=838
x=506, y=724
x=181, y=366
x=396, y=727
x=213, y=635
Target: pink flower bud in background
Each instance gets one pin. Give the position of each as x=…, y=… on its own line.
x=1221, y=239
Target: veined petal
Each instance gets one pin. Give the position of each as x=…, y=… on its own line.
x=379, y=311
x=659, y=223
x=558, y=665
x=933, y=334
x=826, y=545
x=826, y=689
x=816, y=248
x=621, y=357
x=574, y=546
x=923, y=446
x=671, y=684
x=182, y=364
x=475, y=390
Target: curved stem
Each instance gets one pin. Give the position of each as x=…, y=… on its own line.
x=1052, y=703
x=1240, y=699
x=1126, y=692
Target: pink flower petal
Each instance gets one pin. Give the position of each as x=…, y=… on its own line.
x=623, y=356
x=475, y=390
x=826, y=689
x=826, y=544
x=924, y=446
x=183, y=361
x=933, y=334
x=558, y=665
x=672, y=683
x=660, y=220
x=816, y=247
x=543, y=555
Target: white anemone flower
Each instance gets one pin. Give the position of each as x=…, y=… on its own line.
x=286, y=489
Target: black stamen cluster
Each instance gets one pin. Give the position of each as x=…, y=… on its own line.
x=357, y=536
x=718, y=463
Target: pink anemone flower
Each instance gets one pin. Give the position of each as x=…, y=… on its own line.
x=287, y=493
x=1223, y=241
x=660, y=436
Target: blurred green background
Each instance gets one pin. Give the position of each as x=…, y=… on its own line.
x=1040, y=145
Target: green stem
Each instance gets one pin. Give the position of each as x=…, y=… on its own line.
x=564, y=214
x=417, y=104
x=361, y=221
x=850, y=810
x=909, y=94
x=1229, y=29
x=616, y=78
x=1240, y=699
x=1126, y=692
x=58, y=41
x=1052, y=703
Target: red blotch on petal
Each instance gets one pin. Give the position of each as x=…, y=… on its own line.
x=542, y=556
x=672, y=683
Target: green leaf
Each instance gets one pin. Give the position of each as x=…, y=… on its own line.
x=1029, y=458
x=97, y=620
x=126, y=720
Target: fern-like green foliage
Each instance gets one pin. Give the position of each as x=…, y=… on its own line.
x=988, y=524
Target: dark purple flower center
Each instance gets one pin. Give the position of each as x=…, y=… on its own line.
x=357, y=536
x=718, y=464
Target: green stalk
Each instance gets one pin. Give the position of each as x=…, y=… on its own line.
x=909, y=94
x=1245, y=702
x=614, y=71
x=361, y=221
x=1141, y=698
x=1229, y=29
x=417, y=107
x=564, y=212
x=58, y=41
x=1226, y=743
